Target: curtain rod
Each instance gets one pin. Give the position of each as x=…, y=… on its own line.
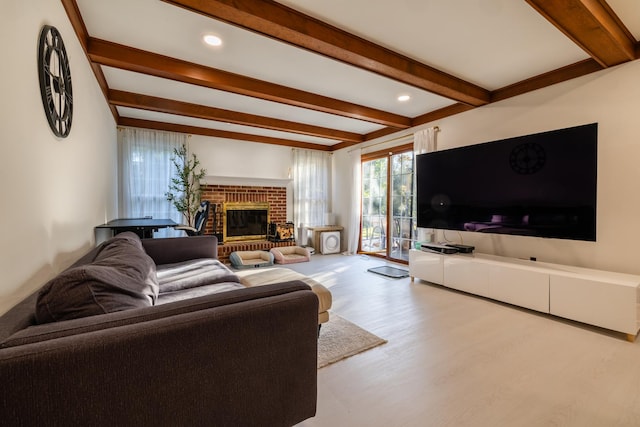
x=435, y=128
x=121, y=128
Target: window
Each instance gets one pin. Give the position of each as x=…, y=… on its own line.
x=145, y=171
x=311, y=179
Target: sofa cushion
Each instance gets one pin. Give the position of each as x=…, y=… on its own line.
x=122, y=276
x=200, y=291
x=192, y=274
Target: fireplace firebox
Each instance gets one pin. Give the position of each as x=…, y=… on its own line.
x=245, y=221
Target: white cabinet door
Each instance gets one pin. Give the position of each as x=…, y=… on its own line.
x=426, y=266
x=465, y=274
x=523, y=287
x=596, y=302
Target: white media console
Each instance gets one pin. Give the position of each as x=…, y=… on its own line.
x=600, y=298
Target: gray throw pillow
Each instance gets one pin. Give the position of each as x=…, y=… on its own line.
x=122, y=276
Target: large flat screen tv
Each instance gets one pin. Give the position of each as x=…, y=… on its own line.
x=541, y=185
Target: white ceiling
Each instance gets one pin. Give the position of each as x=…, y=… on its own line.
x=490, y=43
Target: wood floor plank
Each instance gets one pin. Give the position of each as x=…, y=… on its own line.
x=454, y=359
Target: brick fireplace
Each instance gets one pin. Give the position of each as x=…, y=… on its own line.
x=218, y=195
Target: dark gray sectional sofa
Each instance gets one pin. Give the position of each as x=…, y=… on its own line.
x=158, y=333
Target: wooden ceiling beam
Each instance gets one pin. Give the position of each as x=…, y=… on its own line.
x=282, y=23
x=450, y=110
x=593, y=26
x=216, y=133
x=569, y=72
x=169, y=106
x=79, y=27
x=131, y=59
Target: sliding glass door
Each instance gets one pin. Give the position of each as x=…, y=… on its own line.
x=402, y=211
x=388, y=214
x=373, y=231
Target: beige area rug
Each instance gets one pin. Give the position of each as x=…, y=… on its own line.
x=340, y=339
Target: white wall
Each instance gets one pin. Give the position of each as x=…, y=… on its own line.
x=610, y=98
x=54, y=191
x=231, y=158
x=252, y=163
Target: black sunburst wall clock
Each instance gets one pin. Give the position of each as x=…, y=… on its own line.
x=55, y=81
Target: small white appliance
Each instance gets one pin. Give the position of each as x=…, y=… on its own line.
x=330, y=242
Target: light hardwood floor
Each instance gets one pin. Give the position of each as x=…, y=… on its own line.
x=454, y=359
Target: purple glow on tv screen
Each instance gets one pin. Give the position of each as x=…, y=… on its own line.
x=541, y=185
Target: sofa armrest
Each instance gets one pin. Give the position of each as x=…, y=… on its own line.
x=178, y=249
x=248, y=359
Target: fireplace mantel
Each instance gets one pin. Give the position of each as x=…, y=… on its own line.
x=245, y=181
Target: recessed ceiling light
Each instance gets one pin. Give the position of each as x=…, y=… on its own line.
x=404, y=98
x=212, y=40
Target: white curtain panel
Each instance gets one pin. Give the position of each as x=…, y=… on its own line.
x=311, y=178
x=424, y=141
x=353, y=230
x=144, y=174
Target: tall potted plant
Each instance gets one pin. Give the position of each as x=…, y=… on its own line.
x=184, y=190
